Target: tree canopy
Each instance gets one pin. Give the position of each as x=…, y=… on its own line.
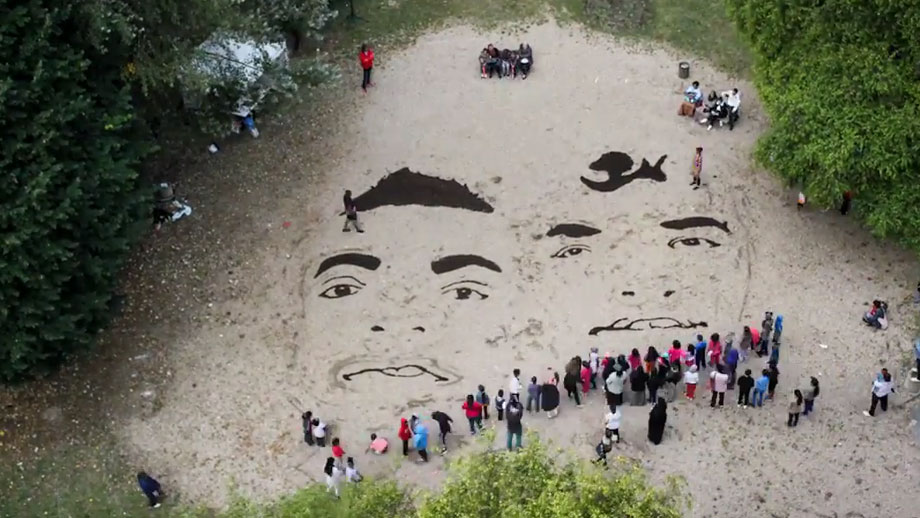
x=840, y=80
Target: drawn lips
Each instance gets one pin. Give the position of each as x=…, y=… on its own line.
x=643, y=324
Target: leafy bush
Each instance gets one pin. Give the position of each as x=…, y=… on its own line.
x=69, y=198
x=839, y=79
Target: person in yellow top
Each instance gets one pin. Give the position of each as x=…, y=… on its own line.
x=697, y=168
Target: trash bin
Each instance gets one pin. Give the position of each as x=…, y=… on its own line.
x=683, y=70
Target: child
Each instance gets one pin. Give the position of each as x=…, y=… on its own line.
x=473, y=411
x=338, y=453
x=773, y=374
x=319, y=432
x=801, y=200
x=483, y=399
x=691, y=378
x=594, y=361
x=700, y=352
x=635, y=359
x=745, y=384
x=795, y=408
x=777, y=329
x=351, y=472
x=405, y=433
x=378, y=445
x=760, y=387
x=500, y=404
x=690, y=356
x=533, y=394
x=715, y=349
x=766, y=327
x=333, y=477
x=307, y=418
x=675, y=354
x=697, y=168
x=484, y=58
x=585, y=378
x=602, y=449
x=810, y=394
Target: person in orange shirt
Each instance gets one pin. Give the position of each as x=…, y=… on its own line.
x=366, y=56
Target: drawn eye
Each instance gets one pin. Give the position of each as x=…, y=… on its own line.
x=692, y=241
x=466, y=290
x=346, y=287
x=571, y=251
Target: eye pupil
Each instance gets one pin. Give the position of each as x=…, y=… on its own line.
x=342, y=291
x=464, y=293
x=575, y=251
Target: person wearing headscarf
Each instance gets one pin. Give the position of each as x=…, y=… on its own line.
x=637, y=380
x=333, y=477
x=614, y=387
x=731, y=363
x=549, y=394
x=570, y=381
x=657, y=418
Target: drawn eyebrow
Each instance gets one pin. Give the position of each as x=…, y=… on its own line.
x=572, y=230
x=696, y=222
x=455, y=262
x=368, y=262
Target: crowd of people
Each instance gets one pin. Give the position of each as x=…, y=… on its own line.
x=724, y=108
x=505, y=62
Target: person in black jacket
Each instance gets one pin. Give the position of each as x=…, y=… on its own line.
x=444, y=421
x=745, y=384
x=150, y=487
x=637, y=380
x=515, y=428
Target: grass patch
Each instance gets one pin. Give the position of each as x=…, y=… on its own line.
x=700, y=28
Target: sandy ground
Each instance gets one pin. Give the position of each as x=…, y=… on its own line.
x=274, y=336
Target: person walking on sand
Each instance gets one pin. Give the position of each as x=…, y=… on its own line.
x=473, y=411
x=795, y=408
x=420, y=440
x=319, y=432
x=366, y=57
x=719, y=385
x=810, y=394
x=515, y=428
x=351, y=214
x=405, y=433
x=333, y=477
x=697, y=168
x=151, y=488
x=444, y=421
x=614, y=387
x=338, y=453
x=773, y=374
x=549, y=394
x=657, y=418
x=761, y=387
x=586, y=377
x=612, y=424
x=881, y=388
x=570, y=383
x=533, y=395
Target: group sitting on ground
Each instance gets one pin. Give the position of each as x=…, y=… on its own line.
x=505, y=62
x=721, y=108
x=877, y=315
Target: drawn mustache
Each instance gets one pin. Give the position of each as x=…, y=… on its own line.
x=643, y=324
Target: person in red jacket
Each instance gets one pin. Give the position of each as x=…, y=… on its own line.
x=366, y=56
x=405, y=434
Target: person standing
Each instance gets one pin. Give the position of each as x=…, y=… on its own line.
x=514, y=386
x=351, y=214
x=549, y=394
x=697, y=169
x=761, y=387
x=657, y=418
x=500, y=403
x=483, y=399
x=719, y=385
x=847, y=200
x=444, y=421
x=614, y=387
x=691, y=378
x=917, y=353
x=404, y=435
x=700, y=353
x=637, y=380
x=731, y=363
x=333, y=477
x=420, y=439
x=570, y=382
x=612, y=424
x=745, y=384
x=881, y=388
x=515, y=428
x=307, y=420
x=715, y=349
x=811, y=393
x=366, y=57
x=533, y=394
x=151, y=488
x=586, y=379
x=747, y=343
x=594, y=360
x=773, y=374
x=473, y=411
x=795, y=408
x=319, y=432
x=338, y=453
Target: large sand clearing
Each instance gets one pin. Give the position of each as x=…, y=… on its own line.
x=309, y=322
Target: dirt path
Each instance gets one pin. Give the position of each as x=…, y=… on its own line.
x=432, y=301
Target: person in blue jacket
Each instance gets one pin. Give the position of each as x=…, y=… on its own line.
x=150, y=487
x=760, y=388
x=420, y=440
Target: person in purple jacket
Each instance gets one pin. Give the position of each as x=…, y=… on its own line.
x=731, y=363
x=150, y=487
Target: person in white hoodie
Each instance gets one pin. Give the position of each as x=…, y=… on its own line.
x=612, y=425
x=881, y=387
x=691, y=378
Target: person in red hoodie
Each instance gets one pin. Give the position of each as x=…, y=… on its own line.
x=338, y=453
x=473, y=412
x=404, y=434
x=366, y=56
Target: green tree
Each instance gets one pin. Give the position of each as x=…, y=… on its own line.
x=69, y=198
x=840, y=80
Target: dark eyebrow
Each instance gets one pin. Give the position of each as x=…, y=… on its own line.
x=365, y=261
x=455, y=262
x=695, y=222
x=572, y=230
